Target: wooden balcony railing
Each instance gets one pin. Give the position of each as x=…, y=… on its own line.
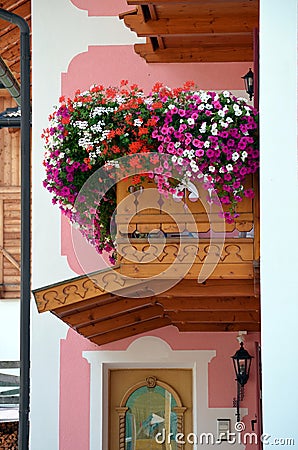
x=150, y=238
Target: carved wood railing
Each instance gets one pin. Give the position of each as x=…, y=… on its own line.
x=151, y=230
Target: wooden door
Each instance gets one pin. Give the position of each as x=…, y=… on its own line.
x=148, y=408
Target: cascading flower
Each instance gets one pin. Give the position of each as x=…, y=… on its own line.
x=209, y=136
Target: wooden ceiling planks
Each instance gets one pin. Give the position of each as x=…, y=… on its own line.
x=194, y=31
x=10, y=34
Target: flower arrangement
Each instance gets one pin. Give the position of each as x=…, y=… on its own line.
x=207, y=136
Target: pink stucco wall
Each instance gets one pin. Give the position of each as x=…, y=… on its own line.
x=108, y=65
x=74, y=379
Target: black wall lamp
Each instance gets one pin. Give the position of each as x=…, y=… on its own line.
x=249, y=83
x=242, y=362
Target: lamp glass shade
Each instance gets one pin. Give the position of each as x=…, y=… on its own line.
x=249, y=83
x=242, y=362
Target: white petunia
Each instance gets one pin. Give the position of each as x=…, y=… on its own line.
x=235, y=156
x=190, y=121
x=206, y=144
x=244, y=155
x=203, y=128
x=211, y=169
x=204, y=96
x=229, y=167
x=226, y=94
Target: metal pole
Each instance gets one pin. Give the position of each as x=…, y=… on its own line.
x=25, y=228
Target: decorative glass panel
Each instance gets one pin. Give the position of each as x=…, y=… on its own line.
x=150, y=411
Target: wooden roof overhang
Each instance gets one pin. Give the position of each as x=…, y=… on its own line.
x=194, y=30
x=10, y=35
x=105, y=306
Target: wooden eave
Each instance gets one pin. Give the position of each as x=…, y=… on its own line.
x=105, y=307
x=10, y=35
x=194, y=30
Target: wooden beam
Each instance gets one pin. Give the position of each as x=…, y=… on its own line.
x=186, y=2
x=210, y=288
x=191, y=26
x=210, y=303
x=9, y=364
x=178, y=55
x=115, y=308
x=126, y=320
x=217, y=327
x=216, y=317
x=133, y=330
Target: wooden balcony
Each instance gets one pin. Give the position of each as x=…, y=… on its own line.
x=178, y=275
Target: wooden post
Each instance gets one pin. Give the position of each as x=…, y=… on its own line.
x=121, y=410
x=180, y=410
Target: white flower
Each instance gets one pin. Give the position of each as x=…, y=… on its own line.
x=81, y=124
x=214, y=130
x=211, y=169
x=120, y=99
x=235, y=156
x=180, y=161
x=201, y=107
x=96, y=128
x=200, y=175
x=138, y=122
x=188, y=173
x=206, y=144
x=229, y=167
x=244, y=155
x=204, y=96
x=229, y=120
x=174, y=158
x=223, y=124
x=221, y=113
x=190, y=121
x=171, y=106
x=226, y=94
x=203, y=127
x=221, y=170
x=177, y=144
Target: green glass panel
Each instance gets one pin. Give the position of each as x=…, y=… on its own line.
x=150, y=414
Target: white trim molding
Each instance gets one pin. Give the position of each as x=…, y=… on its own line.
x=152, y=352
